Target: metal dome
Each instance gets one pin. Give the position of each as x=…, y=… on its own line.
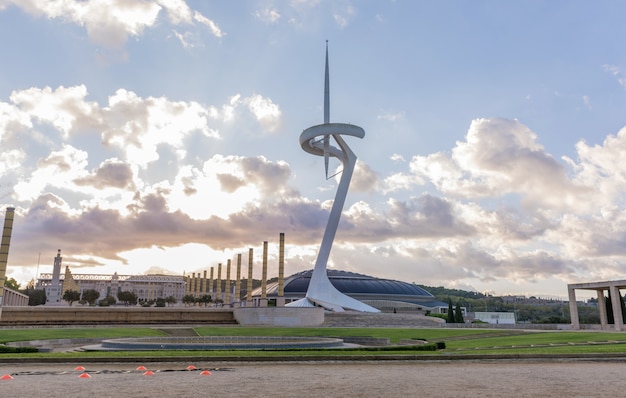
x=380, y=293
x=353, y=283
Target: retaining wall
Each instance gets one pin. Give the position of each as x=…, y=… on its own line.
x=279, y=316
x=42, y=315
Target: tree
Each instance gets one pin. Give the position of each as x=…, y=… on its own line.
x=450, y=317
x=458, y=314
x=128, y=298
x=107, y=301
x=160, y=302
x=206, y=299
x=90, y=296
x=12, y=284
x=35, y=296
x=171, y=300
x=71, y=296
x=189, y=299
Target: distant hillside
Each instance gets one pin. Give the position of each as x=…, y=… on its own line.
x=443, y=293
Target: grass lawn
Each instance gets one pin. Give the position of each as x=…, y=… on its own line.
x=8, y=335
x=393, y=334
x=458, y=341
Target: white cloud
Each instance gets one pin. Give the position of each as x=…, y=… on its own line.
x=11, y=160
x=109, y=23
x=59, y=169
x=617, y=72
x=265, y=111
x=502, y=157
x=391, y=116
x=215, y=30
x=137, y=125
x=397, y=158
x=64, y=108
x=603, y=167
x=364, y=178
x=12, y=120
x=269, y=16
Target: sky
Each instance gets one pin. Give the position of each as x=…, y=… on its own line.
x=162, y=137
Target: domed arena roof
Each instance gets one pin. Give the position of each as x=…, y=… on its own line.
x=380, y=293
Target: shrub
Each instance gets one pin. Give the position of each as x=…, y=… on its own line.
x=12, y=350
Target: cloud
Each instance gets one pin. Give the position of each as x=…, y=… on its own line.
x=265, y=111
x=343, y=15
x=59, y=169
x=268, y=16
x=109, y=23
x=501, y=157
x=364, y=179
x=391, y=116
x=138, y=126
x=617, y=72
x=111, y=174
x=64, y=108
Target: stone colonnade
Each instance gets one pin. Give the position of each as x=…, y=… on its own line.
x=613, y=288
x=198, y=286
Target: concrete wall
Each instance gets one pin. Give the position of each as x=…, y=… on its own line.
x=279, y=316
x=41, y=315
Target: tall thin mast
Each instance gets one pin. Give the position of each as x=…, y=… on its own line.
x=326, y=111
x=326, y=90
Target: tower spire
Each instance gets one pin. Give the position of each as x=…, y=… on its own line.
x=326, y=91
x=326, y=112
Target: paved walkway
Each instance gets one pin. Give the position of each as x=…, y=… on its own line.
x=329, y=379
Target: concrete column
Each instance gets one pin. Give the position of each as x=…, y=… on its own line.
x=211, y=289
x=280, y=300
x=227, y=288
x=249, y=287
x=263, y=302
x=218, y=289
x=602, y=309
x=4, y=249
x=617, y=308
x=573, y=308
x=237, y=299
x=203, y=284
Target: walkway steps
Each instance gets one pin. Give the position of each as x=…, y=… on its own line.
x=179, y=332
x=351, y=319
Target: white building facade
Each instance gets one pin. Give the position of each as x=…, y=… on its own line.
x=146, y=287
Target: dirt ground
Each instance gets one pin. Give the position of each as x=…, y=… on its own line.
x=323, y=379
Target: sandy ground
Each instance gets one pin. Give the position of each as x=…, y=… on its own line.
x=323, y=379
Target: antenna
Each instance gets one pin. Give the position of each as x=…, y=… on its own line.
x=326, y=111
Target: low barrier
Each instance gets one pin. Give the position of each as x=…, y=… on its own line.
x=42, y=315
